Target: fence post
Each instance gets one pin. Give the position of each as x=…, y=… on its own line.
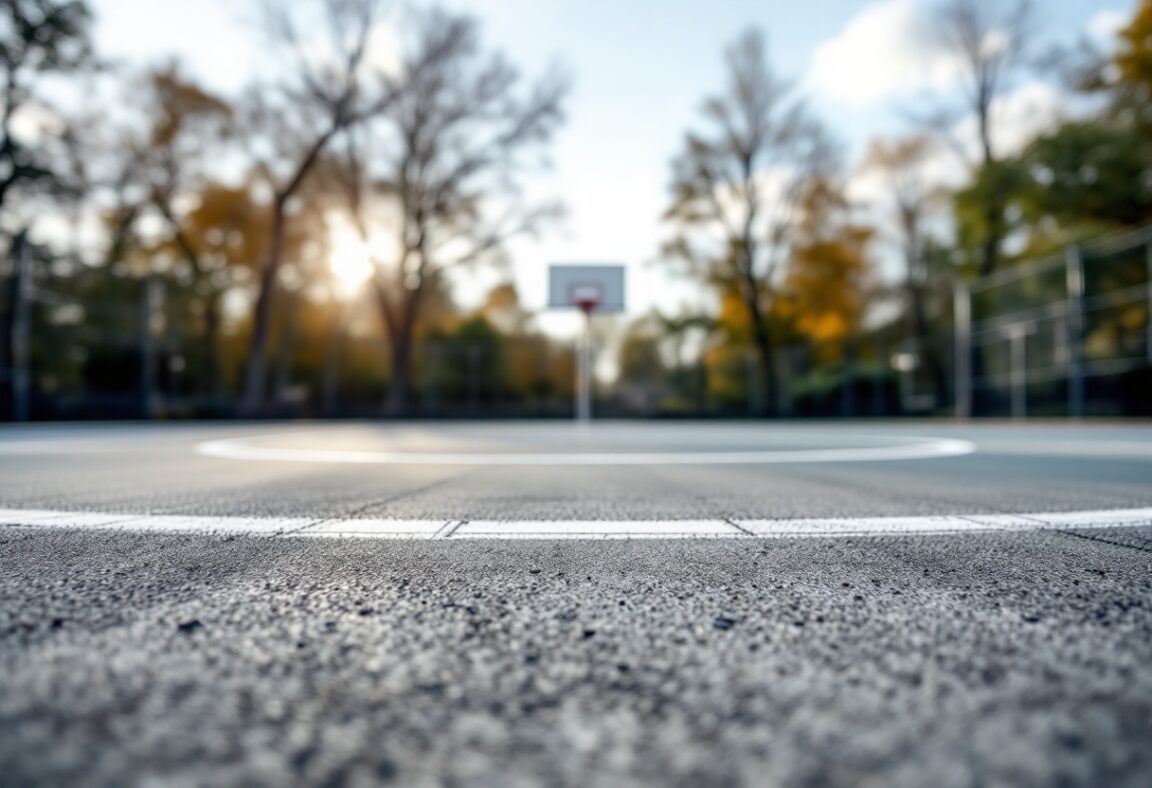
x=962, y=330
x=21, y=331
x=473, y=352
x=431, y=373
x=1074, y=272
x=1018, y=375
x=847, y=382
x=782, y=368
x=752, y=381
x=1148, y=260
x=878, y=381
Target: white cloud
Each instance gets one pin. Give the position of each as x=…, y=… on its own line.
x=1104, y=25
x=885, y=51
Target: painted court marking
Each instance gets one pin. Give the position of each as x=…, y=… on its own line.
x=922, y=448
x=296, y=528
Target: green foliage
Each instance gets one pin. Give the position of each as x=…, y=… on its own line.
x=643, y=377
x=1084, y=177
x=471, y=353
x=37, y=37
x=42, y=36
x=1094, y=174
x=996, y=184
x=1126, y=76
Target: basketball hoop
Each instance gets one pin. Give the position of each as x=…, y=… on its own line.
x=592, y=289
x=586, y=296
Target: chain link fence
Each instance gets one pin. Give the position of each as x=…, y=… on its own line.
x=1065, y=336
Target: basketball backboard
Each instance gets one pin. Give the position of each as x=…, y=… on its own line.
x=596, y=289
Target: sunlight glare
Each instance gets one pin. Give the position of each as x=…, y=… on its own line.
x=350, y=260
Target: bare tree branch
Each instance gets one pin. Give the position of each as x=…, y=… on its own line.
x=450, y=152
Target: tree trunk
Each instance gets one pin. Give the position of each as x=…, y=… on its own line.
x=286, y=352
x=993, y=217
x=993, y=205
x=330, y=386
x=764, y=351
x=14, y=336
x=400, y=323
x=7, y=323
x=767, y=359
x=401, y=340
x=256, y=368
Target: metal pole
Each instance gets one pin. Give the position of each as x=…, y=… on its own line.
x=878, y=382
x=430, y=373
x=753, y=382
x=1148, y=260
x=962, y=328
x=782, y=368
x=1019, y=372
x=701, y=387
x=473, y=378
x=1074, y=265
x=847, y=383
x=584, y=374
x=907, y=384
x=21, y=332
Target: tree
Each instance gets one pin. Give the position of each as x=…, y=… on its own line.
x=902, y=164
x=830, y=272
x=503, y=310
x=736, y=188
x=679, y=329
x=220, y=240
x=211, y=228
x=1085, y=178
x=451, y=152
x=643, y=377
x=322, y=94
x=989, y=39
x=151, y=175
x=37, y=38
x=1094, y=175
x=1125, y=75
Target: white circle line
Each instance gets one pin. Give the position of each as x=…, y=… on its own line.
x=924, y=448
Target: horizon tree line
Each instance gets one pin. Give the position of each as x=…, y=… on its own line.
x=421, y=159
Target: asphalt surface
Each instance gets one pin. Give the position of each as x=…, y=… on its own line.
x=995, y=658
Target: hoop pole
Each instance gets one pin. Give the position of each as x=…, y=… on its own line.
x=584, y=373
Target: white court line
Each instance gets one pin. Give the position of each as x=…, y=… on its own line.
x=428, y=530
x=922, y=448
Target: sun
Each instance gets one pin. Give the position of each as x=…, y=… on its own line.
x=350, y=261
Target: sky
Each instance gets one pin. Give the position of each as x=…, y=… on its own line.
x=641, y=69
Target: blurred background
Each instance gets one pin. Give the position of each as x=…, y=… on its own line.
x=347, y=208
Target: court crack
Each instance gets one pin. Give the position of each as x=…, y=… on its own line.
x=359, y=510
x=1103, y=540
